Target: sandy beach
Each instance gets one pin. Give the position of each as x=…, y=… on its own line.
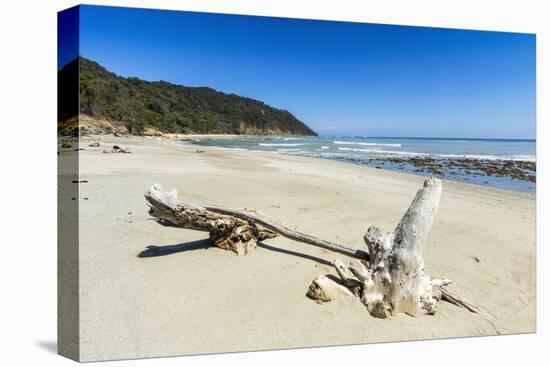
x=205, y=300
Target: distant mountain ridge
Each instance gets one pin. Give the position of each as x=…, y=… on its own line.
x=138, y=105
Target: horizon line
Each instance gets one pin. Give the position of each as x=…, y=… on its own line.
x=423, y=137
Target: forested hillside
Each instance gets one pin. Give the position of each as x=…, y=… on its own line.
x=167, y=107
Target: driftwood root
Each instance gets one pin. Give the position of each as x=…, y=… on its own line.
x=226, y=232
x=393, y=280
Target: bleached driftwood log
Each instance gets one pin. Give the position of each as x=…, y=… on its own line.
x=231, y=229
x=393, y=280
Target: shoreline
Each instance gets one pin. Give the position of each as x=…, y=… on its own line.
x=515, y=174
x=179, y=140
x=423, y=167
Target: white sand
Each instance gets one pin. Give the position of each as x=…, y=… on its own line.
x=210, y=300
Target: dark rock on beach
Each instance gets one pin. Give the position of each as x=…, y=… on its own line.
x=518, y=170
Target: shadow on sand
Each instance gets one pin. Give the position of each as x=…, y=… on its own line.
x=294, y=253
x=154, y=251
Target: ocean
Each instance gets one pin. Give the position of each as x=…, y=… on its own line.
x=501, y=163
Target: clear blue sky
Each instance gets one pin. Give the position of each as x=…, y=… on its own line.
x=339, y=78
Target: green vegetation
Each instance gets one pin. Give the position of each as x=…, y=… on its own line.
x=139, y=104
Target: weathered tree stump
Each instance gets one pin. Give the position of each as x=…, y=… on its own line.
x=393, y=280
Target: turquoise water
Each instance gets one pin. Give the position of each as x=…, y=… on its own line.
x=378, y=151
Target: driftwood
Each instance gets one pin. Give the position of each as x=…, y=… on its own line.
x=451, y=297
x=231, y=229
x=227, y=232
x=288, y=232
x=118, y=149
x=393, y=280
x=325, y=289
x=389, y=279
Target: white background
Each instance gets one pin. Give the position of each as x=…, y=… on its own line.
x=28, y=180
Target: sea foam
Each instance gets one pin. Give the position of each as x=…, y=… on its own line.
x=367, y=144
x=280, y=144
x=377, y=151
